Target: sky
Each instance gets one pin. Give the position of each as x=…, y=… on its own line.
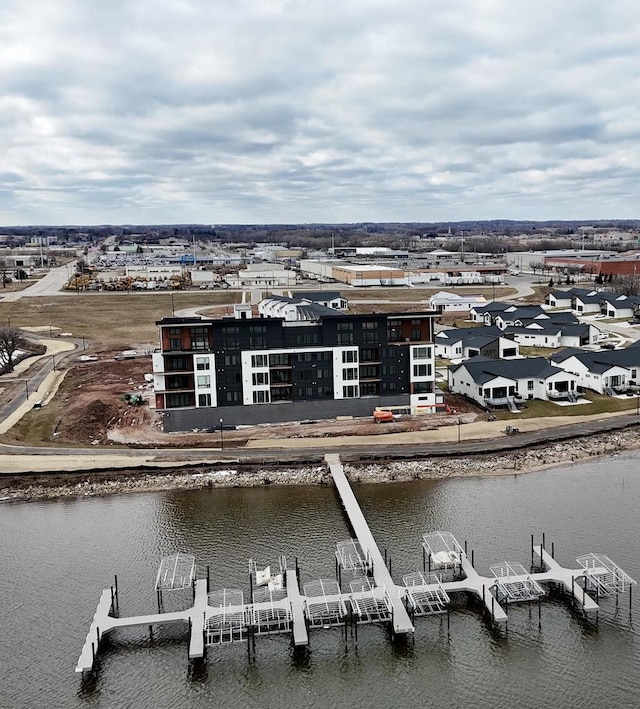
x=325, y=111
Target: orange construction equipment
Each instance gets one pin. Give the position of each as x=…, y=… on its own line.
x=383, y=416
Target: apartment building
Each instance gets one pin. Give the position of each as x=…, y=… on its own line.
x=266, y=370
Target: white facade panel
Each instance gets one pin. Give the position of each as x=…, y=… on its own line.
x=345, y=360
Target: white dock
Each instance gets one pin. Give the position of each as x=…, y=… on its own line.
x=400, y=618
x=300, y=634
x=554, y=573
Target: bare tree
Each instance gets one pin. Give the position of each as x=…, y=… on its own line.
x=10, y=341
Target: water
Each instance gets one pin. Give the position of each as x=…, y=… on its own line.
x=55, y=557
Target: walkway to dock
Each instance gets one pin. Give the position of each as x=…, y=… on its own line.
x=401, y=622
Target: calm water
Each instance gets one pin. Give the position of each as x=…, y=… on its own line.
x=55, y=557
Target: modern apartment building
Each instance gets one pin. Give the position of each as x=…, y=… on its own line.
x=244, y=370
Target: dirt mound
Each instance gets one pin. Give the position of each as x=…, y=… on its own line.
x=87, y=423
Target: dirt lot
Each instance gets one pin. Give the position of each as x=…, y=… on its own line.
x=88, y=409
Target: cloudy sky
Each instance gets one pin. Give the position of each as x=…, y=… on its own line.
x=265, y=111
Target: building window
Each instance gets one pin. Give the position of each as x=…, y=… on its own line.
x=259, y=361
x=304, y=392
x=370, y=354
x=231, y=338
x=350, y=391
x=174, y=331
x=350, y=374
x=175, y=343
x=389, y=387
x=260, y=378
x=423, y=387
x=231, y=360
x=281, y=376
x=421, y=370
x=416, y=333
x=281, y=394
x=389, y=369
x=325, y=392
x=369, y=371
x=422, y=353
x=232, y=397
x=261, y=397
x=204, y=381
x=370, y=333
x=175, y=401
x=370, y=389
x=199, y=339
x=279, y=360
x=202, y=363
x=530, y=385
x=173, y=364
x=349, y=356
x=204, y=399
x=394, y=330
x=257, y=337
x=307, y=338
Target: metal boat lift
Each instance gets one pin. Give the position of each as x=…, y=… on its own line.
x=514, y=583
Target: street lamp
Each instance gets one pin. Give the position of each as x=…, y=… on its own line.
x=221, y=435
x=84, y=345
x=53, y=360
x=459, y=424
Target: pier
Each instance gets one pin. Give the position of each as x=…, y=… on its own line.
x=367, y=594
x=401, y=622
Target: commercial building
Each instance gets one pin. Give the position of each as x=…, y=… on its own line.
x=264, y=370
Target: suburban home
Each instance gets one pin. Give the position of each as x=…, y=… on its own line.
x=619, y=306
x=464, y=343
x=504, y=383
x=563, y=298
x=516, y=314
x=482, y=313
x=543, y=333
x=447, y=303
x=607, y=372
x=587, y=304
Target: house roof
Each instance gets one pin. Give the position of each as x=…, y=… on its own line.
x=524, y=311
x=483, y=369
x=494, y=306
x=604, y=360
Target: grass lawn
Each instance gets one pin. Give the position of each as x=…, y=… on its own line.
x=599, y=405
x=108, y=319
x=540, y=351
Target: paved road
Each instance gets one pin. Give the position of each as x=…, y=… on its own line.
x=49, y=285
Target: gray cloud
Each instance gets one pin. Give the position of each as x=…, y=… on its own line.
x=293, y=110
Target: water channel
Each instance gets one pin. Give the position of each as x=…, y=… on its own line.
x=56, y=556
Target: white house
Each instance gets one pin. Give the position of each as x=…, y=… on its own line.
x=605, y=372
x=447, y=302
x=464, y=343
x=504, y=383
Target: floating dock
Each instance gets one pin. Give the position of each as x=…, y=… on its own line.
x=368, y=595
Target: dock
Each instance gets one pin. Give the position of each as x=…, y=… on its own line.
x=277, y=605
x=400, y=618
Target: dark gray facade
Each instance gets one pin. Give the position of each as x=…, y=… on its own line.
x=187, y=419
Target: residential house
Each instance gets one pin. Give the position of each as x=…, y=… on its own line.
x=464, y=343
x=492, y=382
x=605, y=372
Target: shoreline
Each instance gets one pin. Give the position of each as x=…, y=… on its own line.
x=81, y=484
